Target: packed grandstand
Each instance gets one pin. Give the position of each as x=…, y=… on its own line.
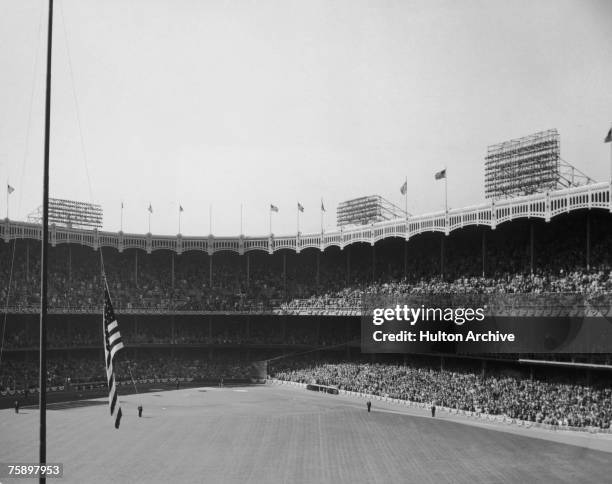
x=207, y=317
x=559, y=403
x=561, y=258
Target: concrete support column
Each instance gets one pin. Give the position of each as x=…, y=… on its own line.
x=405, y=259
x=285, y=277
x=318, y=268
x=348, y=265
x=373, y=263
x=27, y=260
x=442, y=256
x=210, y=270
x=69, y=265
x=531, y=246
x=248, y=270
x=172, y=328
x=484, y=253
x=172, y=268
x=588, y=241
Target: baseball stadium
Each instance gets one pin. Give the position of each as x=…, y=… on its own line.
x=255, y=342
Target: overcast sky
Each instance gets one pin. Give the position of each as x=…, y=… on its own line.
x=279, y=101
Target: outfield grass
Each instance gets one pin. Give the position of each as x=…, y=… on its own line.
x=275, y=434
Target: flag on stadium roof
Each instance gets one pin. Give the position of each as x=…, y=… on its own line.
x=273, y=208
x=322, y=206
x=609, y=137
x=300, y=207
x=9, y=188
x=181, y=208
x=441, y=174
x=404, y=188
x=112, y=344
x=150, y=208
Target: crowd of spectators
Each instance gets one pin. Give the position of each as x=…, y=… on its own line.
x=524, y=399
x=503, y=290
x=257, y=282
x=18, y=374
x=63, y=336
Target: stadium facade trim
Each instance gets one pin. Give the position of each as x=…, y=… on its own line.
x=540, y=205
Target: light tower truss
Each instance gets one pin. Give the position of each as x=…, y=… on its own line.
x=367, y=210
x=528, y=165
x=71, y=213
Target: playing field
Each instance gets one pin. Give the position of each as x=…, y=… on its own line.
x=273, y=434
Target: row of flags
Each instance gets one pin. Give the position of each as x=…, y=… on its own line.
x=273, y=208
x=440, y=175
x=150, y=208
x=300, y=207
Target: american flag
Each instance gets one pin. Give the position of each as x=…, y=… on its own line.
x=112, y=344
x=440, y=175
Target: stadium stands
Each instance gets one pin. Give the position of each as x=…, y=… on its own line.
x=17, y=374
x=553, y=403
x=260, y=282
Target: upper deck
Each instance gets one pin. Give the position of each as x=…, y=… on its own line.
x=540, y=205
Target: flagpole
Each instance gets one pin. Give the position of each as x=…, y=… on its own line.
x=122, y=216
x=149, y=218
x=179, y=219
x=241, y=219
x=321, y=216
x=42, y=376
x=298, y=219
x=270, y=221
x=406, y=197
x=445, y=191
x=7, y=198
x=210, y=218
x=611, y=165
